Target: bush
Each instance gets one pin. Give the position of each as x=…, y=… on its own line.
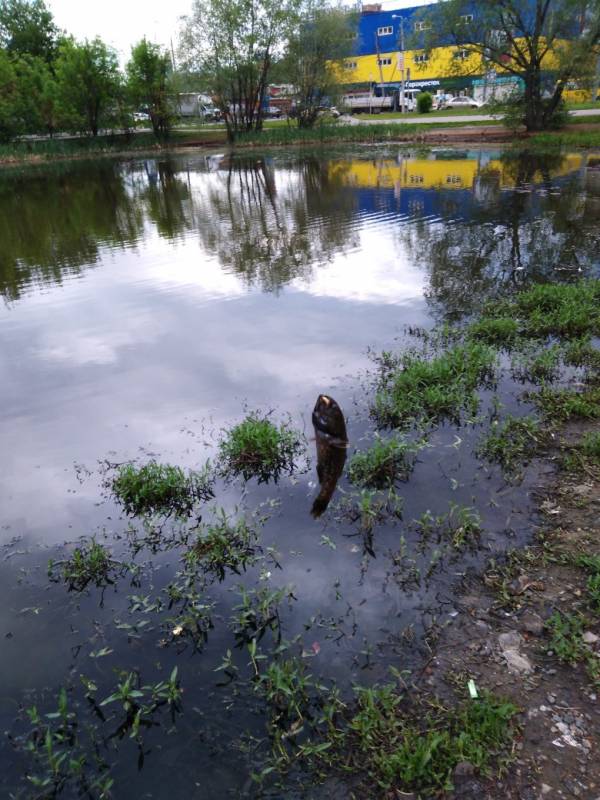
x=424, y=103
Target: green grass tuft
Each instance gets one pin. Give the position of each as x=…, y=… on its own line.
x=160, y=488
x=258, y=448
x=224, y=545
x=436, y=389
x=497, y=331
x=89, y=564
x=582, y=353
x=512, y=442
x=564, y=404
x=383, y=464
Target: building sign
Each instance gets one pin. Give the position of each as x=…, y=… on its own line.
x=422, y=84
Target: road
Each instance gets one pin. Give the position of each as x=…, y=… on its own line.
x=411, y=119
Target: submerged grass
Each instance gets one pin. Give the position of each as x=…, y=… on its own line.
x=560, y=405
x=497, y=331
x=89, y=564
x=258, y=448
x=512, y=442
x=383, y=464
x=436, y=389
x=569, y=310
x=224, y=545
x=161, y=488
x=417, y=750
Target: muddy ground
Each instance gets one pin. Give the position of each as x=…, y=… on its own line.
x=501, y=640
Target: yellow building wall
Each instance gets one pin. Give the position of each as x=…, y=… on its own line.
x=458, y=173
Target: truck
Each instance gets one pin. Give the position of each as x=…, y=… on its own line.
x=379, y=99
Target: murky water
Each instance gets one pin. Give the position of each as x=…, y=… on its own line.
x=148, y=304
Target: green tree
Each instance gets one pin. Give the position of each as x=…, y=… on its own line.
x=149, y=84
x=533, y=40
x=9, y=123
x=89, y=85
x=232, y=44
x=314, y=58
x=27, y=28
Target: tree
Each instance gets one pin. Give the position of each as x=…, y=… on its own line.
x=534, y=40
x=27, y=28
x=8, y=98
x=232, y=43
x=314, y=58
x=88, y=84
x=148, y=84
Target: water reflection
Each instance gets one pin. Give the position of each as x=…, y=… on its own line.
x=480, y=219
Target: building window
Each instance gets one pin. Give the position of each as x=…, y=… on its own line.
x=349, y=64
x=421, y=59
x=422, y=26
x=416, y=179
x=453, y=180
x=384, y=62
x=385, y=31
x=466, y=18
x=461, y=54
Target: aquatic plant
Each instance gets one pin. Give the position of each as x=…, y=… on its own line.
x=590, y=446
x=558, y=309
x=459, y=525
x=90, y=563
x=161, y=488
x=224, y=544
x=563, y=404
x=497, y=331
x=537, y=366
x=258, y=448
x=257, y=612
x=436, y=389
x=582, y=353
x=511, y=442
x=383, y=464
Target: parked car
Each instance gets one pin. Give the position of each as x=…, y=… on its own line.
x=141, y=116
x=273, y=112
x=461, y=102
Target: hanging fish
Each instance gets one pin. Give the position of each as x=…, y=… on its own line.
x=332, y=442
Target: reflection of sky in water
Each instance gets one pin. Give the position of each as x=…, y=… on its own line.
x=148, y=307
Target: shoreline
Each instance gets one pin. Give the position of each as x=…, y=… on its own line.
x=586, y=136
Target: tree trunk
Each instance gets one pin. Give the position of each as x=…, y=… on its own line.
x=534, y=112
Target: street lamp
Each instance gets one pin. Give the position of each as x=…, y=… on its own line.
x=401, y=59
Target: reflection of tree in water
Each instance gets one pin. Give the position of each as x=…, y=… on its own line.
x=167, y=198
x=272, y=232
x=55, y=221
x=542, y=229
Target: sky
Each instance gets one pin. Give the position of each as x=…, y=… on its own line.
x=122, y=23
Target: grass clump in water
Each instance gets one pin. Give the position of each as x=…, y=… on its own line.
x=496, y=331
x=383, y=464
x=161, y=488
x=590, y=446
x=224, y=545
x=459, y=525
x=582, y=353
x=435, y=389
x=418, y=752
x=563, y=404
x=89, y=564
x=258, y=448
x=537, y=367
x=512, y=442
x=558, y=309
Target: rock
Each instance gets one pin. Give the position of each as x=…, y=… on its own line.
x=545, y=789
x=590, y=638
x=510, y=640
x=532, y=623
x=517, y=662
x=464, y=769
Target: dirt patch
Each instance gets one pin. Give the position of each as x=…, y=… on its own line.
x=507, y=639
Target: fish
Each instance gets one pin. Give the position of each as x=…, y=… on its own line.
x=331, y=441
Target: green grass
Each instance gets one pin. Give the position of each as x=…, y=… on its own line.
x=224, y=545
x=569, y=310
x=161, y=488
x=89, y=564
x=257, y=448
x=383, y=464
x=552, y=141
x=590, y=446
x=436, y=389
x=564, y=404
x=566, y=631
x=497, y=331
x=537, y=366
x=582, y=353
x=418, y=752
x=512, y=442
x=460, y=525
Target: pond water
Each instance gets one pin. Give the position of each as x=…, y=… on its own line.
x=149, y=304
